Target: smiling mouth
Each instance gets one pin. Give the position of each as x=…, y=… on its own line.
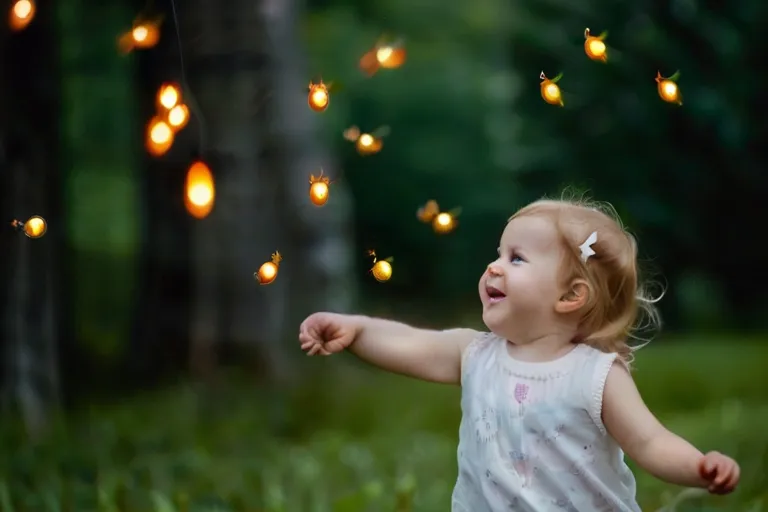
x=494, y=294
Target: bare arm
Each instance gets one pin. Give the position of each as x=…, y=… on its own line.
x=421, y=353
x=638, y=432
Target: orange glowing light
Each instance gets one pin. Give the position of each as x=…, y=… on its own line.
x=159, y=137
x=319, y=189
x=168, y=96
x=34, y=227
x=442, y=222
x=178, y=117
x=199, y=190
x=550, y=91
x=145, y=34
x=319, y=96
x=22, y=13
x=668, y=89
x=391, y=56
x=268, y=271
x=367, y=143
x=381, y=269
x=595, y=46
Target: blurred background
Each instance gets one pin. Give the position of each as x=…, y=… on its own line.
x=144, y=368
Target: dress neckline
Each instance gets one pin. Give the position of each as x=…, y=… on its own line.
x=537, y=370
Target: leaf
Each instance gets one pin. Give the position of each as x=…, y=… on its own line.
x=5, y=498
x=351, y=503
x=162, y=503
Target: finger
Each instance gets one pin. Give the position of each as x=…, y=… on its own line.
x=324, y=352
x=315, y=350
x=723, y=474
x=734, y=479
x=307, y=345
x=707, y=470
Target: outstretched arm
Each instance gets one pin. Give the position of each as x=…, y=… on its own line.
x=656, y=449
x=421, y=353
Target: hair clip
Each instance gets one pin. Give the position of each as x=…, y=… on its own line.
x=586, y=247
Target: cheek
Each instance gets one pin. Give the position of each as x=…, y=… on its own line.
x=481, y=284
x=524, y=281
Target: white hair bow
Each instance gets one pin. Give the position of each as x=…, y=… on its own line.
x=586, y=247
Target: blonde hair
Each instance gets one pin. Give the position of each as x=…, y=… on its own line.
x=619, y=307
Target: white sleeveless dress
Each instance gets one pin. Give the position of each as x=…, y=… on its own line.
x=532, y=438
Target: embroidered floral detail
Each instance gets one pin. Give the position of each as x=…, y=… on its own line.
x=522, y=464
x=600, y=502
x=487, y=425
x=586, y=458
x=521, y=392
x=565, y=504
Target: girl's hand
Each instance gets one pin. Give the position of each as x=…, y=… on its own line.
x=327, y=333
x=720, y=471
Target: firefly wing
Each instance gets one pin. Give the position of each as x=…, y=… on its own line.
x=352, y=133
x=381, y=131
x=334, y=86
x=427, y=212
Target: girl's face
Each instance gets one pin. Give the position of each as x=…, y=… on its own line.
x=521, y=287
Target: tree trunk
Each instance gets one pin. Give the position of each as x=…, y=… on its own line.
x=245, y=72
x=30, y=187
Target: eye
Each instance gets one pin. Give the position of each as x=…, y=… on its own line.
x=516, y=258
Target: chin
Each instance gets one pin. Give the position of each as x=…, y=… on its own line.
x=496, y=317
x=491, y=320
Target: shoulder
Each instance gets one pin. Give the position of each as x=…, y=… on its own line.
x=594, y=371
x=475, y=344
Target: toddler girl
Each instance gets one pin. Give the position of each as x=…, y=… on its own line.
x=548, y=404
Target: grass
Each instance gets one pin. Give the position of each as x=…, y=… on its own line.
x=354, y=439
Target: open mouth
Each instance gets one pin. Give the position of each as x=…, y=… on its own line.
x=494, y=294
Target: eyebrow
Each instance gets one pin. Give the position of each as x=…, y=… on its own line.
x=512, y=249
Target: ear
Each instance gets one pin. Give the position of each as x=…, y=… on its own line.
x=575, y=298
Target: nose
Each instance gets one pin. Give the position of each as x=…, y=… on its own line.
x=494, y=271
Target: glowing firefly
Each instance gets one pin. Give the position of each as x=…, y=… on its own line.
x=35, y=227
x=668, y=89
x=21, y=15
x=442, y=222
x=367, y=143
x=319, y=189
x=550, y=91
x=391, y=56
x=319, y=96
x=381, y=269
x=144, y=34
x=595, y=46
x=268, y=271
x=383, y=55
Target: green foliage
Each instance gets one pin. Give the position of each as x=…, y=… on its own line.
x=359, y=440
x=99, y=156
